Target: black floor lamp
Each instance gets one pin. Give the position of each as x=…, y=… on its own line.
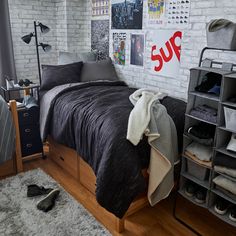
x=46, y=47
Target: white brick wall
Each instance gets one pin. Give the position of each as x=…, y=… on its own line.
x=70, y=31
x=70, y=21
x=22, y=14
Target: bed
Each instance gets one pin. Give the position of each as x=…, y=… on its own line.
x=86, y=125
x=84, y=112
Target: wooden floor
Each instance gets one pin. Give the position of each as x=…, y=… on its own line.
x=158, y=221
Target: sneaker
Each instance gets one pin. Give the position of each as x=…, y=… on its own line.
x=200, y=196
x=49, y=201
x=190, y=189
x=232, y=214
x=221, y=206
x=35, y=190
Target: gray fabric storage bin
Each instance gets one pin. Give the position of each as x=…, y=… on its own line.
x=197, y=171
x=221, y=34
x=230, y=118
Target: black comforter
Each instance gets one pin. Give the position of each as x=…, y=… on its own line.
x=92, y=119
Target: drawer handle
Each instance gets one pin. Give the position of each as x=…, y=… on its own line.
x=29, y=145
x=62, y=158
x=26, y=114
x=27, y=130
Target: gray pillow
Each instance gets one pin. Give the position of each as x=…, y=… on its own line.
x=99, y=70
x=57, y=75
x=68, y=57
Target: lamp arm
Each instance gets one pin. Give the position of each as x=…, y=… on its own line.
x=37, y=51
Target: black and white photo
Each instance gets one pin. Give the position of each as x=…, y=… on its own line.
x=127, y=14
x=100, y=37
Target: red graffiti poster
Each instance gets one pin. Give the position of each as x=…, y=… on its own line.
x=166, y=52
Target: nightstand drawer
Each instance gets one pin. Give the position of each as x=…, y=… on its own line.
x=31, y=147
x=29, y=132
x=28, y=116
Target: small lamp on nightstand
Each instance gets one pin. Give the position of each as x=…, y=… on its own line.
x=46, y=47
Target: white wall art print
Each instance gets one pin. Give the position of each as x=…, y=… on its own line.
x=166, y=52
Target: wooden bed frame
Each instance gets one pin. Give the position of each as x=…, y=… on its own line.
x=71, y=162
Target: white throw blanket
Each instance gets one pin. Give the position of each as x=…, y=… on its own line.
x=140, y=116
x=149, y=117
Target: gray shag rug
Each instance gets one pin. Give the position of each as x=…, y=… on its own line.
x=19, y=215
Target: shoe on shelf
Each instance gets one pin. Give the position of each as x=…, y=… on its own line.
x=221, y=206
x=200, y=196
x=34, y=190
x=49, y=201
x=190, y=189
x=232, y=214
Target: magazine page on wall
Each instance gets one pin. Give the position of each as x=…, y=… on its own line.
x=119, y=48
x=137, y=49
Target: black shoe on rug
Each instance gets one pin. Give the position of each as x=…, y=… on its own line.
x=49, y=201
x=232, y=214
x=200, y=196
x=190, y=189
x=35, y=190
x=221, y=206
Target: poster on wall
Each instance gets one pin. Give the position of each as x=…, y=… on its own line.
x=165, y=52
x=100, y=38
x=137, y=49
x=119, y=42
x=100, y=7
x=156, y=12
x=126, y=14
x=177, y=13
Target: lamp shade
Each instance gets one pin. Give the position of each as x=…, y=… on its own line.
x=45, y=47
x=44, y=29
x=27, y=38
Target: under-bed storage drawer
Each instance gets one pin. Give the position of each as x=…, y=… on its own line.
x=65, y=157
x=86, y=176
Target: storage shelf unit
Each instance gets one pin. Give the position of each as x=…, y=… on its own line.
x=224, y=151
x=191, y=199
x=203, y=183
x=205, y=95
x=221, y=139
x=199, y=119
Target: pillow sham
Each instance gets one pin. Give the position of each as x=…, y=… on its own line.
x=54, y=75
x=68, y=57
x=99, y=70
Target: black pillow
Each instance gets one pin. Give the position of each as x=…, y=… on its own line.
x=54, y=75
x=99, y=70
